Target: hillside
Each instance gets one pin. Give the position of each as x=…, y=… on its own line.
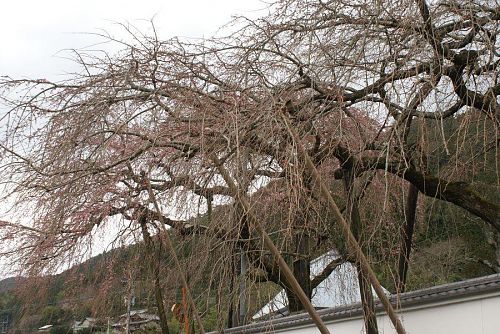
x=97, y=287
x=10, y=283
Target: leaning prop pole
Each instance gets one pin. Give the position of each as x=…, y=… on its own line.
x=152, y=198
x=297, y=289
x=351, y=241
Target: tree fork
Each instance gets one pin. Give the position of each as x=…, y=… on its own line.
x=351, y=241
x=287, y=272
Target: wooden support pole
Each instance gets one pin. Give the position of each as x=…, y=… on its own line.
x=351, y=240
x=185, y=307
x=285, y=269
x=171, y=248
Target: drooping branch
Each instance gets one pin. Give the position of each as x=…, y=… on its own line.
x=459, y=193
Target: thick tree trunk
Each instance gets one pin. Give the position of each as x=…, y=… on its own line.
x=352, y=243
x=243, y=289
x=154, y=263
x=269, y=244
x=301, y=270
x=242, y=265
x=161, y=306
x=407, y=236
x=367, y=302
x=231, y=321
x=238, y=312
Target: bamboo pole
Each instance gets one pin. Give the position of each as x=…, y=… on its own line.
x=185, y=307
x=351, y=241
x=168, y=242
x=287, y=272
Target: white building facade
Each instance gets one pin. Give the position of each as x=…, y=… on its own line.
x=468, y=307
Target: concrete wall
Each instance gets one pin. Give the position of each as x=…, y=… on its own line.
x=473, y=315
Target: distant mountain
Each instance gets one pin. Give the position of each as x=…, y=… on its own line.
x=10, y=283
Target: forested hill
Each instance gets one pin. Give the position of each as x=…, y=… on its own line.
x=96, y=288
x=9, y=284
x=28, y=303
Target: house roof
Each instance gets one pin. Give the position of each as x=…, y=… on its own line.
x=137, y=317
x=134, y=312
x=446, y=292
x=87, y=322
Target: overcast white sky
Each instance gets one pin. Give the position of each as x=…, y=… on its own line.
x=33, y=34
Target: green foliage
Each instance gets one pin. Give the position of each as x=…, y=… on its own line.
x=450, y=245
x=61, y=329
x=210, y=319
x=55, y=315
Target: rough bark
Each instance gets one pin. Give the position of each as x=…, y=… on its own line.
x=301, y=268
x=461, y=194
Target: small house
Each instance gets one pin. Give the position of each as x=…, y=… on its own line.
x=139, y=320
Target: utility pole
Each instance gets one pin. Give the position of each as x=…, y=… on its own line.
x=5, y=324
x=128, y=300
x=127, y=328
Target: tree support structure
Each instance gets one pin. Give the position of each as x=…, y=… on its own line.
x=351, y=240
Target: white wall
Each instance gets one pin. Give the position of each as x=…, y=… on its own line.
x=478, y=315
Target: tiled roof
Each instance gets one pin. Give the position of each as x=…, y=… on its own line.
x=441, y=293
